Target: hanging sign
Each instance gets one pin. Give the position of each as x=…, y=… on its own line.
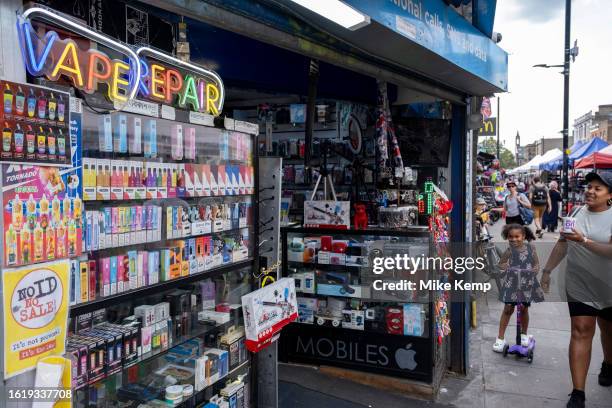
x=146, y=73
x=36, y=314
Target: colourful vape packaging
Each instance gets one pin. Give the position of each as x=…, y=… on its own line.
x=84, y=268
x=132, y=269
x=105, y=132
x=89, y=179
x=212, y=179
x=120, y=139
x=75, y=294
x=190, y=143
x=105, y=267
x=151, y=265
x=113, y=275
x=221, y=179
x=93, y=280
x=189, y=186
x=136, y=136
x=121, y=273
x=150, y=142
x=176, y=141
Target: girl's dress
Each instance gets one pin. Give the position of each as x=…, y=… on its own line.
x=520, y=283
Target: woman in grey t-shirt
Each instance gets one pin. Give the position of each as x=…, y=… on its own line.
x=588, y=282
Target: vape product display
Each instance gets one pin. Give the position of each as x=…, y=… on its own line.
x=32, y=128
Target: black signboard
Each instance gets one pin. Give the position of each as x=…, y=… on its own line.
x=399, y=356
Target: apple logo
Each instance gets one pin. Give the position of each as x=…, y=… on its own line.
x=404, y=357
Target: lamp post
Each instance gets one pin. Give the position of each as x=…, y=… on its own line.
x=568, y=52
x=517, y=141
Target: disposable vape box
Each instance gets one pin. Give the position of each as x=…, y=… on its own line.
x=136, y=136
x=89, y=179
x=152, y=267
x=205, y=179
x=208, y=294
x=132, y=224
x=140, y=268
x=93, y=280
x=75, y=280
x=241, y=179
x=162, y=311
x=113, y=275
x=140, y=190
x=140, y=231
x=88, y=230
x=146, y=314
x=164, y=264
x=120, y=136
x=145, y=268
x=200, y=256
x=212, y=179
x=150, y=142
x=197, y=180
x=121, y=274
x=189, y=180
x=146, y=333
x=235, y=179
x=106, y=280
x=101, y=229
x=102, y=179
x=190, y=143
x=221, y=179
x=120, y=226
x=105, y=133
x=84, y=284
x=212, y=367
x=132, y=269
x=176, y=141
x=191, y=252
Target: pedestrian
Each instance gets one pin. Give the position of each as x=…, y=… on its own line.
x=520, y=285
x=551, y=217
x=512, y=202
x=588, y=282
x=538, y=196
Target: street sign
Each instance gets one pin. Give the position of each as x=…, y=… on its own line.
x=489, y=127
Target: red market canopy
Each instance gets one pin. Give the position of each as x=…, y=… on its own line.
x=596, y=160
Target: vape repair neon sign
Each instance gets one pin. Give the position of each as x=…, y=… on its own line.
x=199, y=90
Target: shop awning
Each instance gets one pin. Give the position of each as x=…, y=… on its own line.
x=525, y=167
x=431, y=49
x=584, y=150
x=596, y=160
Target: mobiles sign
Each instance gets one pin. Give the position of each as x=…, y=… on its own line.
x=144, y=72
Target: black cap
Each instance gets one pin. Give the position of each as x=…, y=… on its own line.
x=603, y=176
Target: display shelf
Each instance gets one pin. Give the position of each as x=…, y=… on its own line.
x=144, y=358
x=165, y=240
x=153, y=200
x=202, y=396
x=155, y=288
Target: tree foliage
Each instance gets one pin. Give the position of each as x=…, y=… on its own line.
x=506, y=159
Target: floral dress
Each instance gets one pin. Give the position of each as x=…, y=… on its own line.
x=519, y=282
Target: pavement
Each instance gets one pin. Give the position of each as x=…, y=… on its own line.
x=492, y=381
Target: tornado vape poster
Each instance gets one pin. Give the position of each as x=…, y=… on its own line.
x=35, y=314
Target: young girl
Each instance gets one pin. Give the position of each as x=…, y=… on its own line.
x=519, y=285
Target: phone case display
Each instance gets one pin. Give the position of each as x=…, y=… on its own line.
x=34, y=124
x=342, y=302
x=42, y=216
x=164, y=350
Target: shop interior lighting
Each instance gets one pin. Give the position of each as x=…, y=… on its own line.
x=338, y=12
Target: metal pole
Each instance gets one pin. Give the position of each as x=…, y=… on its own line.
x=497, y=130
x=566, y=76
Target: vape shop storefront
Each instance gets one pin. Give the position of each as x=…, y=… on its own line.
x=163, y=162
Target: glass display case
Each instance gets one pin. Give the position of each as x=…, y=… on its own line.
x=357, y=312
x=142, y=351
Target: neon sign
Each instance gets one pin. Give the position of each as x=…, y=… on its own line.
x=193, y=87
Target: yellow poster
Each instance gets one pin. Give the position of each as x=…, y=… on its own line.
x=35, y=300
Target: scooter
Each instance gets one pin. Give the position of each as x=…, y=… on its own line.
x=518, y=350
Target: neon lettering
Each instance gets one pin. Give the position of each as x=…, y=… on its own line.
x=115, y=94
x=212, y=96
x=190, y=94
x=174, y=83
x=35, y=65
x=68, y=65
x=94, y=74
x=157, y=83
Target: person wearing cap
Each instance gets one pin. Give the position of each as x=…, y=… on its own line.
x=512, y=202
x=588, y=282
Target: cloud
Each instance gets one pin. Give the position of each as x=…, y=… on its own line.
x=538, y=11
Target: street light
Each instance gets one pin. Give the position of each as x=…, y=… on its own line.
x=573, y=53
